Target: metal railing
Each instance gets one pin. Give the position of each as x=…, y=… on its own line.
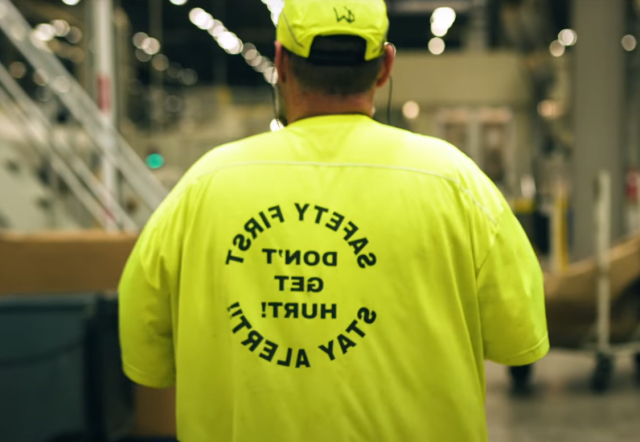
x=104, y=139
x=36, y=130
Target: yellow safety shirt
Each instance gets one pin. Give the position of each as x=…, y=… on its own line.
x=338, y=280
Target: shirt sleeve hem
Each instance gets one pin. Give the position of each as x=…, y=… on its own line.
x=139, y=377
x=528, y=356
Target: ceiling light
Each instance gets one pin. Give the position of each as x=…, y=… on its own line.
x=228, y=41
x=217, y=31
x=445, y=17
x=45, y=32
x=549, y=109
x=61, y=27
x=201, y=18
x=71, y=2
x=263, y=66
x=160, y=62
x=438, y=30
x=250, y=54
x=568, y=37
x=17, y=69
x=74, y=35
x=255, y=61
x=139, y=38
x=248, y=47
x=195, y=13
x=437, y=46
x=557, y=49
x=205, y=22
x=236, y=49
x=629, y=43
x=411, y=110
x=142, y=56
x=216, y=28
x=151, y=46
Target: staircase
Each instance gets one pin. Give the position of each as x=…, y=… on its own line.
x=48, y=173
x=25, y=204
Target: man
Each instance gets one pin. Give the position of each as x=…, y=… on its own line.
x=338, y=280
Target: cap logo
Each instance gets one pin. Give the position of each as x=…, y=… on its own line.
x=348, y=16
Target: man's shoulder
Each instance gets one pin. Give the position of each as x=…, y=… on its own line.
x=434, y=156
x=251, y=149
x=431, y=148
x=424, y=153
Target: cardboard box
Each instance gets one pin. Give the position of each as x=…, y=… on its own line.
x=62, y=262
x=155, y=415
x=81, y=261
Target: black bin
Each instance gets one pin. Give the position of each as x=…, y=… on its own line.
x=60, y=370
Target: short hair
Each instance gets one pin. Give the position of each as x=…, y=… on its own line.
x=336, y=66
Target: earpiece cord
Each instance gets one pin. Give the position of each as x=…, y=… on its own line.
x=389, y=102
x=274, y=96
x=275, y=105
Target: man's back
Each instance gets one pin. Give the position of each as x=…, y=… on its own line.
x=338, y=280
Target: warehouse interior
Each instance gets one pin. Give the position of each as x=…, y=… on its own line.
x=104, y=105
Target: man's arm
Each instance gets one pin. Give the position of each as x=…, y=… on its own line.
x=146, y=332
x=147, y=293
x=511, y=296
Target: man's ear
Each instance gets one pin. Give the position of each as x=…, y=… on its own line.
x=281, y=62
x=387, y=64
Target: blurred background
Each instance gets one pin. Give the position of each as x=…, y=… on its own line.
x=105, y=104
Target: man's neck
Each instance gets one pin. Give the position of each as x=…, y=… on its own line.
x=308, y=106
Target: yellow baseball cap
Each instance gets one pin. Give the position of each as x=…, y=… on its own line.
x=301, y=21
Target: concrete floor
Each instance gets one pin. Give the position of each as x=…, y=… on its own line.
x=561, y=406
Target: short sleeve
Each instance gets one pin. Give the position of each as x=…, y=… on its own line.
x=148, y=290
x=511, y=296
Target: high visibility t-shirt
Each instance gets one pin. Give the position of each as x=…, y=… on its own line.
x=338, y=280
